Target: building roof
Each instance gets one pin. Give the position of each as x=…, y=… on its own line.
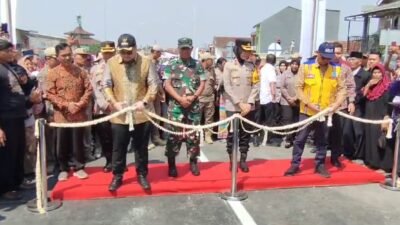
x=37, y=34
x=378, y=11
x=79, y=31
x=382, y=7
x=292, y=8
x=221, y=42
x=88, y=41
x=381, y=2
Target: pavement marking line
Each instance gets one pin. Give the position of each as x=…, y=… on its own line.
x=238, y=208
x=241, y=212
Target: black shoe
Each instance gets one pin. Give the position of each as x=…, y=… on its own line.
x=336, y=163
x=107, y=168
x=115, y=183
x=194, y=168
x=143, y=182
x=289, y=144
x=313, y=150
x=243, y=165
x=11, y=196
x=292, y=171
x=172, y=171
x=321, y=170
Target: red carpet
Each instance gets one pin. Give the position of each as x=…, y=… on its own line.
x=214, y=178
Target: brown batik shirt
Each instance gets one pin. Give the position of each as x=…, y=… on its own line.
x=64, y=86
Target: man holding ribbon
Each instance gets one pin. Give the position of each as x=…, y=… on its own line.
x=130, y=79
x=320, y=85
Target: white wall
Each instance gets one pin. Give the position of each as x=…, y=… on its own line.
x=40, y=43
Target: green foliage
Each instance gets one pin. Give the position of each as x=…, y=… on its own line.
x=94, y=49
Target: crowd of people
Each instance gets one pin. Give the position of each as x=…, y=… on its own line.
x=72, y=86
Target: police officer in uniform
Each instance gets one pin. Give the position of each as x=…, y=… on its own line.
x=101, y=107
x=240, y=95
x=320, y=85
x=185, y=81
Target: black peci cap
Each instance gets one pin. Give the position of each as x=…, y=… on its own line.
x=126, y=42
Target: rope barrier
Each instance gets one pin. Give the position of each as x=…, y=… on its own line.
x=187, y=126
x=290, y=126
x=362, y=120
x=249, y=131
x=93, y=122
x=367, y=121
x=276, y=132
x=213, y=132
x=176, y=133
x=199, y=128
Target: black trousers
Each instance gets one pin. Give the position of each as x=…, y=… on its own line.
x=353, y=136
x=70, y=142
x=290, y=115
x=104, y=133
x=244, y=137
x=12, y=154
x=51, y=143
x=140, y=141
x=257, y=112
x=51, y=148
x=335, y=136
x=319, y=129
x=269, y=117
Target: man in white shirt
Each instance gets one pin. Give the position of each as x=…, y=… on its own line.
x=268, y=94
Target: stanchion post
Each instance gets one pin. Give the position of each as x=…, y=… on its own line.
x=233, y=195
x=391, y=184
x=47, y=204
x=43, y=161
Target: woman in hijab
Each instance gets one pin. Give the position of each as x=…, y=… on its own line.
x=240, y=94
x=378, y=151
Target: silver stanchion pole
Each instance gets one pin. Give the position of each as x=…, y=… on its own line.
x=233, y=195
x=391, y=184
x=47, y=203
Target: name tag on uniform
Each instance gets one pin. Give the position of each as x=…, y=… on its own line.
x=310, y=76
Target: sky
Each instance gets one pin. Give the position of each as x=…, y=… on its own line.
x=164, y=21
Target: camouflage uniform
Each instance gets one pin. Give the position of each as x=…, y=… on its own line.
x=185, y=78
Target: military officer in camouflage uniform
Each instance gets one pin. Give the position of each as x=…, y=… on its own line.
x=241, y=91
x=185, y=81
